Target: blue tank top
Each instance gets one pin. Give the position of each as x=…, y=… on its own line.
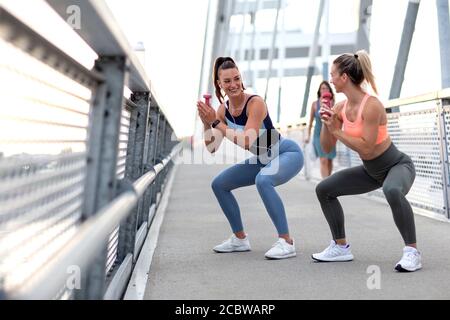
x=267, y=136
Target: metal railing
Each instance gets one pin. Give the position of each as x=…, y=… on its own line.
x=419, y=126
x=82, y=167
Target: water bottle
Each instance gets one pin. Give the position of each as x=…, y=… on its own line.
x=325, y=99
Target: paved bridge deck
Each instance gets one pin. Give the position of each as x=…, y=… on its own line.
x=185, y=267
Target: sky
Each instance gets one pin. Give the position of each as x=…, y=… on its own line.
x=172, y=32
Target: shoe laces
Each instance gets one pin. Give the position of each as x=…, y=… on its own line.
x=229, y=240
x=410, y=256
x=278, y=244
x=332, y=249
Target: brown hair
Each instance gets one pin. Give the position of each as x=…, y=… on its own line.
x=222, y=63
x=329, y=88
x=358, y=68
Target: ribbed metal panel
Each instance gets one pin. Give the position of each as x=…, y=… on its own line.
x=43, y=131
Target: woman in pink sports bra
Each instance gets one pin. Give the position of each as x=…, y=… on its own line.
x=360, y=123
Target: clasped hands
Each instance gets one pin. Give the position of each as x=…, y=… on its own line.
x=329, y=118
x=206, y=112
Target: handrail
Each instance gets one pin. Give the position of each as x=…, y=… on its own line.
x=15, y=31
x=430, y=96
x=102, y=33
x=88, y=241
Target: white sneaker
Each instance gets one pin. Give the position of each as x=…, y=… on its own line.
x=233, y=244
x=411, y=260
x=334, y=252
x=281, y=250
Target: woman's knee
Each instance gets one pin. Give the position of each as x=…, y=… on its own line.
x=217, y=183
x=392, y=193
x=324, y=161
x=323, y=189
x=262, y=180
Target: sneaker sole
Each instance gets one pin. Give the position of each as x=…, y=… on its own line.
x=399, y=268
x=236, y=250
x=291, y=255
x=341, y=259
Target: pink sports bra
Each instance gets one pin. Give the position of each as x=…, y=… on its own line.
x=354, y=129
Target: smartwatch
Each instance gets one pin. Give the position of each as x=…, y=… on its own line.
x=215, y=123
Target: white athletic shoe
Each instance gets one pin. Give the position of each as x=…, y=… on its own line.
x=334, y=253
x=411, y=260
x=233, y=244
x=281, y=250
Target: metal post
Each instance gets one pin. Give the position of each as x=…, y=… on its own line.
x=221, y=21
x=326, y=41
x=150, y=161
x=281, y=57
x=272, y=50
x=202, y=66
x=312, y=58
x=443, y=151
x=403, y=51
x=254, y=50
x=197, y=123
x=142, y=100
x=365, y=11
x=157, y=126
x=279, y=103
x=244, y=12
x=159, y=154
x=229, y=38
x=128, y=229
x=104, y=160
x=444, y=41
x=163, y=153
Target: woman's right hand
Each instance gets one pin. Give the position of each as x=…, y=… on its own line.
x=307, y=139
x=206, y=113
x=203, y=119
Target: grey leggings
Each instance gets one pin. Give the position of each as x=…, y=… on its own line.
x=393, y=170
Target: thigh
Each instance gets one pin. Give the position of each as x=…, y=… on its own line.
x=349, y=181
x=284, y=167
x=401, y=176
x=240, y=175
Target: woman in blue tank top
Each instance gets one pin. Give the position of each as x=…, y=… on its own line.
x=244, y=120
x=326, y=159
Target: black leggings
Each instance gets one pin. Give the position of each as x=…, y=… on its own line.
x=393, y=170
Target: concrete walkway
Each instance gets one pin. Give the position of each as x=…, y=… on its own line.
x=185, y=267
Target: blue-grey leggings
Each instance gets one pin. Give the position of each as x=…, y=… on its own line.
x=393, y=170
x=252, y=171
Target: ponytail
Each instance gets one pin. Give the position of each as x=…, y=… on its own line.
x=366, y=66
x=358, y=68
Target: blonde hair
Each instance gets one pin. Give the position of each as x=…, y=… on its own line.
x=358, y=68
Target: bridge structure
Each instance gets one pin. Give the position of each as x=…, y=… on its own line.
x=101, y=199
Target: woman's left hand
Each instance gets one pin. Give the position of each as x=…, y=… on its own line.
x=206, y=112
